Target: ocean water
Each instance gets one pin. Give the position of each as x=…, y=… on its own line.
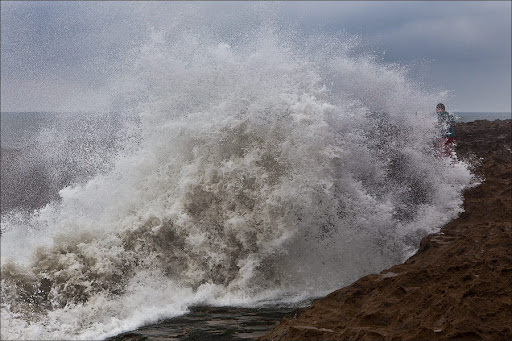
x=213, y=323
x=474, y=116
x=260, y=171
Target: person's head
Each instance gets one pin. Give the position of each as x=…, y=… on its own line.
x=440, y=108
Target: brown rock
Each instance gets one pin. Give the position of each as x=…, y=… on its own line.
x=458, y=286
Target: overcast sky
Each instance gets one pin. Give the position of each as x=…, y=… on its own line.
x=60, y=56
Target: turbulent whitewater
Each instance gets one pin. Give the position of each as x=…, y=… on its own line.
x=268, y=168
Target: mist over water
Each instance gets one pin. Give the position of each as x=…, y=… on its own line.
x=268, y=167
x=45, y=152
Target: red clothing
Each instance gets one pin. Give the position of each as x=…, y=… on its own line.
x=446, y=146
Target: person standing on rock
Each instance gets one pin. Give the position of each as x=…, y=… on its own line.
x=446, y=123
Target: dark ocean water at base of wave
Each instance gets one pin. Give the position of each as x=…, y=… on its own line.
x=212, y=323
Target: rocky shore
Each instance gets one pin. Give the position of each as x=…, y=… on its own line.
x=458, y=286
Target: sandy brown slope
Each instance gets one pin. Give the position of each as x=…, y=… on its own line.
x=457, y=286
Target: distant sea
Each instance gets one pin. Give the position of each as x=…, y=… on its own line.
x=474, y=116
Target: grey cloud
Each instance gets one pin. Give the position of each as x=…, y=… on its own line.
x=77, y=46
